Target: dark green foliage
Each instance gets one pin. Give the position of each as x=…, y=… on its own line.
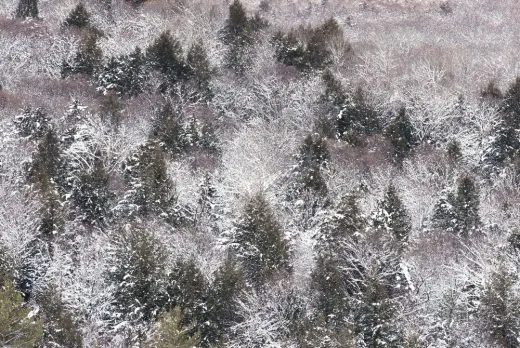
x=111, y=110
x=150, y=188
x=88, y=57
x=401, y=134
x=90, y=195
x=453, y=151
x=32, y=123
x=506, y=143
x=136, y=3
x=260, y=242
x=393, y=217
x=239, y=35
x=187, y=289
x=27, y=8
x=32, y=266
x=499, y=310
x=51, y=213
x=312, y=156
x=168, y=130
x=311, y=50
x=334, y=93
x=79, y=17
x=330, y=285
x=137, y=272
x=47, y=164
x=200, y=71
x=165, y=55
x=221, y=306
x=459, y=212
x=60, y=329
x=125, y=75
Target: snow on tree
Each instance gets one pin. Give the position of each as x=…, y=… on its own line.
x=392, y=216
x=125, y=74
x=79, y=17
x=260, y=242
x=32, y=123
x=171, y=331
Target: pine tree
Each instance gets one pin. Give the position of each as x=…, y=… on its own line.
x=499, y=310
x=393, y=217
x=150, y=188
x=137, y=272
x=59, y=326
x=200, y=71
x=259, y=239
x=173, y=332
x=165, y=55
x=79, y=17
x=401, y=134
x=125, y=75
x=318, y=53
x=111, y=110
x=17, y=327
x=88, y=57
x=187, y=289
x=237, y=24
x=90, y=195
x=312, y=156
x=222, y=308
x=458, y=212
x=289, y=50
x=27, y=8
x=32, y=123
x=168, y=130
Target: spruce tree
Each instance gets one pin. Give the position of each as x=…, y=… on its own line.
x=79, y=17
x=150, y=190
x=499, y=309
x=165, y=55
x=200, y=71
x=401, y=134
x=88, y=58
x=222, y=309
x=289, y=50
x=172, y=331
x=168, y=130
x=313, y=155
x=125, y=74
x=392, y=216
x=32, y=123
x=137, y=272
x=90, y=194
x=27, y=8
x=259, y=239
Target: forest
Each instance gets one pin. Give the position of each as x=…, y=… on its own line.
x=259, y=173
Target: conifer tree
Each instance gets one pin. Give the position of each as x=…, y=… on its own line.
x=200, y=71
x=150, y=188
x=59, y=326
x=237, y=24
x=458, y=212
x=168, y=130
x=27, y=8
x=165, y=55
x=32, y=123
x=125, y=74
x=17, y=327
x=401, y=134
x=260, y=243
x=137, y=272
x=222, y=308
x=79, y=17
x=393, y=217
x=318, y=52
x=289, y=50
x=499, y=309
x=88, y=57
x=187, y=289
x=312, y=156
x=90, y=195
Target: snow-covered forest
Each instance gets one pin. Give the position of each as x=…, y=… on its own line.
x=296, y=174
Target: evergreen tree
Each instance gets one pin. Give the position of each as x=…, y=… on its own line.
x=111, y=110
x=79, y=17
x=59, y=326
x=17, y=327
x=27, y=8
x=312, y=156
x=88, y=57
x=173, y=332
x=289, y=50
x=499, y=310
x=222, y=308
x=165, y=55
x=32, y=266
x=393, y=217
x=318, y=53
x=32, y=123
x=453, y=151
x=200, y=71
x=168, y=130
x=90, y=194
x=330, y=285
x=259, y=239
x=51, y=213
x=137, y=272
x=187, y=289
x=401, y=134
x=237, y=25
x=125, y=75
x=459, y=212
x=150, y=188
x=356, y=118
